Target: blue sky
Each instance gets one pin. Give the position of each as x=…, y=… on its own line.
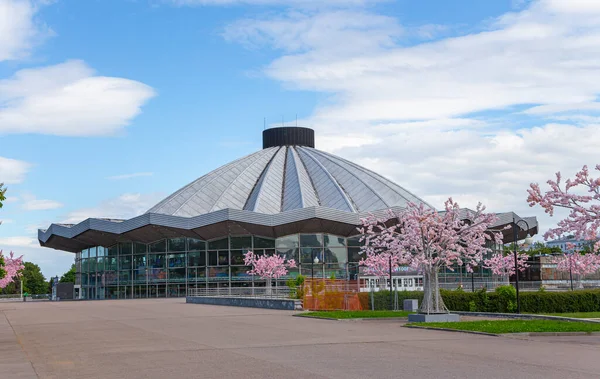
x=108, y=106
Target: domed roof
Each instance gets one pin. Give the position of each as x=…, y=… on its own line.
x=282, y=178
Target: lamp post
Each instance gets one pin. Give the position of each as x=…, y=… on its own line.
x=391, y=287
x=516, y=228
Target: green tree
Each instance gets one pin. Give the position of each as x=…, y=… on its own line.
x=34, y=281
x=69, y=276
x=2, y=193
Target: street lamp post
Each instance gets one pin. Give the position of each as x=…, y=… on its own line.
x=516, y=228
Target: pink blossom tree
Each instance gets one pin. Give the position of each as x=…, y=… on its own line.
x=428, y=240
x=378, y=264
x=577, y=263
x=10, y=268
x=268, y=267
x=581, y=196
x=504, y=265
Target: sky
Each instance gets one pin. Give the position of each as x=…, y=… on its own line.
x=108, y=106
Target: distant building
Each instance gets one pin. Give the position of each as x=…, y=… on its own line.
x=563, y=244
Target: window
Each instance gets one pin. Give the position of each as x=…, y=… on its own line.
x=218, y=244
x=334, y=241
x=237, y=257
x=139, y=248
x=125, y=262
x=157, y=260
x=126, y=248
x=196, y=258
x=113, y=251
x=285, y=242
x=311, y=240
x=194, y=244
x=310, y=255
x=139, y=261
x=336, y=255
x=213, y=258
x=176, y=260
x=223, y=258
x=244, y=243
x=177, y=244
x=92, y=251
x=267, y=243
x=158, y=246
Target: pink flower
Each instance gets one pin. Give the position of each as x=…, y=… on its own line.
x=12, y=266
x=268, y=266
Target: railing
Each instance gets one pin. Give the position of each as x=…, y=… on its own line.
x=17, y=297
x=256, y=292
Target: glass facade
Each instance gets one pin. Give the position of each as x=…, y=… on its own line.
x=167, y=268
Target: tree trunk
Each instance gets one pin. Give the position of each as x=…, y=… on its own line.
x=268, y=288
x=432, y=300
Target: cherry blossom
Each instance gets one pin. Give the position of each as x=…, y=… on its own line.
x=268, y=266
x=504, y=265
x=577, y=263
x=12, y=267
x=581, y=196
x=427, y=240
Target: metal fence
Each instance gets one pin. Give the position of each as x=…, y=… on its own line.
x=256, y=292
x=18, y=297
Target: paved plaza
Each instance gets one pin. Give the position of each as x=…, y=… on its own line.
x=166, y=338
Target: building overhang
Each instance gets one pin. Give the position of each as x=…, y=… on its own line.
x=151, y=227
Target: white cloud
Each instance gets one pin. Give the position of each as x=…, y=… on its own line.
x=12, y=171
x=130, y=176
x=294, y=3
x=7, y=221
x=31, y=203
x=19, y=31
x=123, y=207
x=69, y=99
x=19, y=241
x=406, y=110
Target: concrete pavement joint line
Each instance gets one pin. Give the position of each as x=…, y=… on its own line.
x=21, y=345
x=525, y=316
x=453, y=330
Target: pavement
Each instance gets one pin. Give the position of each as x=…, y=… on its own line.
x=166, y=338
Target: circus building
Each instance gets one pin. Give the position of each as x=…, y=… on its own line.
x=288, y=198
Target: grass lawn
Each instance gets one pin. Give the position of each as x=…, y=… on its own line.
x=356, y=314
x=515, y=326
x=577, y=315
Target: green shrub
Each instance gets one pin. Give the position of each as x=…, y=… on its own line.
x=507, y=299
x=502, y=300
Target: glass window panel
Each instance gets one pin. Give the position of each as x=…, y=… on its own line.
x=92, y=264
x=201, y=273
x=84, y=279
x=219, y=244
x=139, y=275
x=84, y=265
x=139, y=261
x=336, y=255
x=337, y=270
x=158, y=246
x=100, y=264
x=157, y=274
x=195, y=244
x=354, y=254
x=125, y=262
x=92, y=279
x=124, y=277
x=354, y=241
x=157, y=260
x=176, y=260
x=177, y=244
x=191, y=273
x=311, y=240
x=223, y=258
x=111, y=277
x=218, y=273
x=92, y=251
x=290, y=241
x=289, y=254
x=85, y=253
x=177, y=275
x=310, y=255
x=196, y=258
x=240, y=273
x=237, y=257
x=265, y=243
x=241, y=242
x=110, y=263
x=334, y=241
x=139, y=248
x=101, y=251
x=213, y=258
x=126, y=248
x=113, y=251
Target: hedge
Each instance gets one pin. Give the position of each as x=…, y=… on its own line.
x=499, y=301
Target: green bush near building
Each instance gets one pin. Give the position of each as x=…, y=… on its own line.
x=503, y=300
